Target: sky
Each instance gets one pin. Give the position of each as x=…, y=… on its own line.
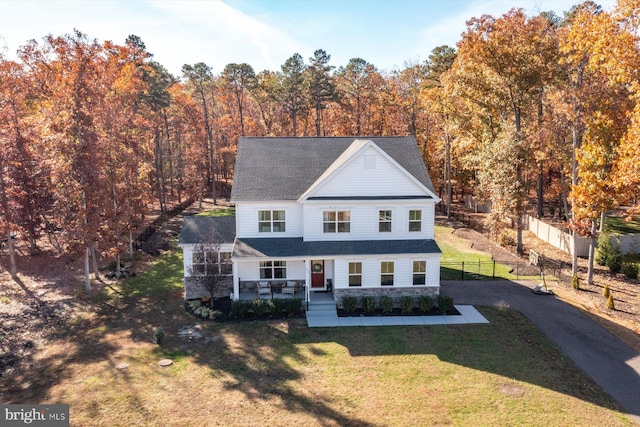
x=262, y=33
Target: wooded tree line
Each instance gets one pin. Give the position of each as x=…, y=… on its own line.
x=91, y=133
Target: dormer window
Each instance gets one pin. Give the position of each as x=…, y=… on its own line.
x=271, y=221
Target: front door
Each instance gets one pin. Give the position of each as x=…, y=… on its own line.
x=317, y=274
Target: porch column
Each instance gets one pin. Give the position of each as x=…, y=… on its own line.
x=307, y=278
x=236, y=280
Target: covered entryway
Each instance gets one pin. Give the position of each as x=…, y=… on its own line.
x=317, y=275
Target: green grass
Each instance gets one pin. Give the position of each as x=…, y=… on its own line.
x=164, y=276
x=284, y=373
x=219, y=212
x=477, y=265
x=620, y=225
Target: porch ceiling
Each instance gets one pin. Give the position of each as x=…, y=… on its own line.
x=296, y=247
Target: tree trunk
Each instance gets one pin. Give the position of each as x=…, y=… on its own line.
x=7, y=216
x=87, y=279
x=540, y=194
x=592, y=245
x=159, y=171
x=94, y=262
x=563, y=194
x=602, y=222
x=519, y=202
x=447, y=172
x=574, y=182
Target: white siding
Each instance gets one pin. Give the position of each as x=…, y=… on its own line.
x=403, y=270
x=364, y=220
x=247, y=218
x=250, y=270
x=384, y=179
x=187, y=255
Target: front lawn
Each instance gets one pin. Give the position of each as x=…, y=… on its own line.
x=284, y=373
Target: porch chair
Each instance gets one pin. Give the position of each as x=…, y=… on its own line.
x=263, y=288
x=289, y=288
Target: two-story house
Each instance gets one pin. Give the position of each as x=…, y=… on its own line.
x=351, y=216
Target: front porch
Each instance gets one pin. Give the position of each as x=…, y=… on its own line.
x=248, y=290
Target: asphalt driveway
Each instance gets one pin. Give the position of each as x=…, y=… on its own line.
x=611, y=363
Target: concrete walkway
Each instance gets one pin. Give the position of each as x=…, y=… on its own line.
x=328, y=318
x=612, y=364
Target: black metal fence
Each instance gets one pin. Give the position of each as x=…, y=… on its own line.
x=498, y=269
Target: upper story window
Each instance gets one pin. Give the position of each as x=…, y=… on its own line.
x=271, y=221
x=336, y=221
x=384, y=221
x=415, y=220
x=386, y=273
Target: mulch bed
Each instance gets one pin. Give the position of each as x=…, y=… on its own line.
x=223, y=305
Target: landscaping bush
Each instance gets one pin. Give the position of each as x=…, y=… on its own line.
x=575, y=282
x=259, y=306
x=158, y=335
x=506, y=238
x=276, y=306
x=292, y=305
x=425, y=303
x=368, y=304
x=239, y=308
x=386, y=304
x=349, y=304
x=603, y=250
x=445, y=303
x=202, y=311
x=614, y=260
x=630, y=269
x=606, y=292
x=610, y=303
x=406, y=304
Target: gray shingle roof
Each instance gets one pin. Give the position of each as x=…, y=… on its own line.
x=196, y=229
x=284, y=168
x=286, y=247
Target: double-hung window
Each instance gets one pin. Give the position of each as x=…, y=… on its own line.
x=384, y=221
x=386, y=273
x=273, y=269
x=204, y=261
x=419, y=272
x=355, y=274
x=415, y=220
x=271, y=221
x=336, y=221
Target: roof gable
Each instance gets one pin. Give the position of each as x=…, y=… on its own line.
x=285, y=168
x=365, y=170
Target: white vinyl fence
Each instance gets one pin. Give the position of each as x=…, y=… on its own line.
x=628, y=243
x=557, y=237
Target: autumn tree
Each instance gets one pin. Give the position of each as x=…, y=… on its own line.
x=510, y=54
x=26, y=177
x=601, y=109
x=199, y=78
x=356, y=86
